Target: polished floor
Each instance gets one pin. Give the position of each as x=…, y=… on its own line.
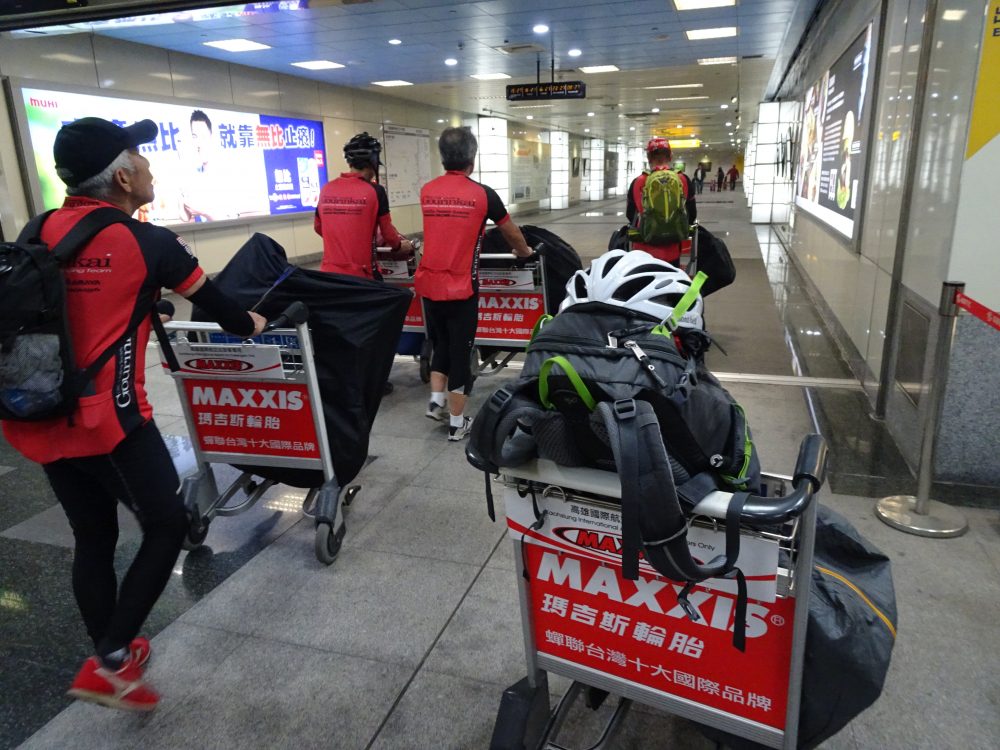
x=408, y=640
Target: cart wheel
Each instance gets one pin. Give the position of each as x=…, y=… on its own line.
x=350, y=492
x=195, y=536
x=425, y=361
x=327, y=542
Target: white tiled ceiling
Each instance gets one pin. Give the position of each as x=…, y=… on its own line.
x=645, y=38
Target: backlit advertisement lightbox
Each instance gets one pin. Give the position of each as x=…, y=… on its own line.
x=208, y=164
x=831, y=153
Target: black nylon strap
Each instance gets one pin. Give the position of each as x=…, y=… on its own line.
x=164, y=341
x=625, y=446
x=732, y=554
x=31, y=233
x=84, y=230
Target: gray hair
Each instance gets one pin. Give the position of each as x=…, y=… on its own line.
x=458, y=147
x=102, y=185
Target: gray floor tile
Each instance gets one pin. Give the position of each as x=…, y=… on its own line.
x=429, y=523
x=441, y=712
x=484, y=640
x=373, y=605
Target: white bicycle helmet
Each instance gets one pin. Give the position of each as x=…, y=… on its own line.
x=637, y=281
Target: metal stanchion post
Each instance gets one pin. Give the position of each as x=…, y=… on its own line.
x=920, y=515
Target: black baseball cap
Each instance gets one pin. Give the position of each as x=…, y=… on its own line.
x=85, y=147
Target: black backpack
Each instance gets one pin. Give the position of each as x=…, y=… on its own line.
x=38, y=376
x=605, y=387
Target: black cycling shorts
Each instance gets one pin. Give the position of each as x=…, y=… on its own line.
x=451, y=326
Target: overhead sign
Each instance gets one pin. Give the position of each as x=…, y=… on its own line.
x=520, y=92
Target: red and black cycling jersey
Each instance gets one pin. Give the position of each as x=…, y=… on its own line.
x=455, y=210
x=112, y=283
x=350, y=207
x=633, y=209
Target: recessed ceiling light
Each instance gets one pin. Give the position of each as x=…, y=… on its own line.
x=655, y=110
x=395, y=41
x=723, y=106
x=590, y=114
x=953, y=15
x=730, y=132
x=317, y=65
x=489, y=76
x=679, y=125
x=237, y=45
x=391, y=83
x=681, y=98
x=702, y=4
x=440, y=120
x=540, y=28
x=729, y=124
x=530, y=117
x=574, y=52
x=621, y=117
x=733, y=100
x=598, y=68
x=451, y=61
x=676, y=86
x=716, y=60
x=719, y=33
x=632, y=128
x=586, y=130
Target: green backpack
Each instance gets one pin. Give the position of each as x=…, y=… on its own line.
x=664, y=218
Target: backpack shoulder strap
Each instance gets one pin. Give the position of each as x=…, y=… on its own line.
x=33, y=229
x=85, y=229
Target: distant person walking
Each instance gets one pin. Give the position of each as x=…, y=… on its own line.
x=733, y=174
x=699, y=179
x=720, y=179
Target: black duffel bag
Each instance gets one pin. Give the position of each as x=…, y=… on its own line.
x=850, y=635
x=714, y=259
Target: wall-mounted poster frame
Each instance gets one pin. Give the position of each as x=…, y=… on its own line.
x=212, y=165
x=832, y=157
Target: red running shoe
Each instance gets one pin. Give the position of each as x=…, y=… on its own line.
x=139, y=651
x=123, y=689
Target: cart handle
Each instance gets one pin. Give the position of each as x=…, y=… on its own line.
x=808, y=477
x=295, y=314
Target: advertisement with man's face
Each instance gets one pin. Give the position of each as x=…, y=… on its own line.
x=831, y=153
x=208, y=164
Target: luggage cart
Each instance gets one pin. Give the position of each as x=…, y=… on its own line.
x=609, y=635
x=254, y=402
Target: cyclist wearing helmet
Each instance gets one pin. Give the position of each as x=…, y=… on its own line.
x=351, y=208
x=455, y=210
x=658, y=153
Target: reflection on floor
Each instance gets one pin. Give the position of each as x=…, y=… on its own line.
x=409, y=638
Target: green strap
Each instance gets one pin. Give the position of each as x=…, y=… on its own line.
x=574, y=378
x=687, y=300
x=740, y=479
x=539, y=325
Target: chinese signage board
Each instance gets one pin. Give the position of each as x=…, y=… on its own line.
x=255, y=419
x=508, y=316
x=831, y=153
x=209, y=164
x=235, y=361
x=520, y=92
x=585, y=613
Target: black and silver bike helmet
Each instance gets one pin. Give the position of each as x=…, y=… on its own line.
x=363, y=151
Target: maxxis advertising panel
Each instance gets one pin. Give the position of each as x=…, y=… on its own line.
x=832, y=148
x=208, y=164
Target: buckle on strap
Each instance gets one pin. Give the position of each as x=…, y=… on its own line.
x=624, y=408
x=500, y=398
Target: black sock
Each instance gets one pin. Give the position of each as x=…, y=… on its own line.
x=115, y=660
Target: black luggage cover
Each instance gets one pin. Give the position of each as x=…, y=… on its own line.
x=355, y=325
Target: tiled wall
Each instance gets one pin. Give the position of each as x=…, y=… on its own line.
x=856, y=283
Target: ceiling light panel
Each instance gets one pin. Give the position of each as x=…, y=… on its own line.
x=681, y=98
x=489, y=76
x=389, y=84
x=237, y=45
x=675, y=86
x=718, y=33
x=598, y=68
x=317, y=65
x=716, y=60
x=702, y=4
